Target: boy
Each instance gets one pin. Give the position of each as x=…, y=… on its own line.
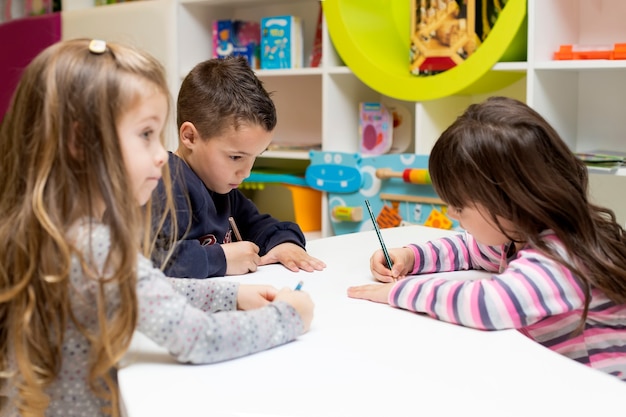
x=225, y=120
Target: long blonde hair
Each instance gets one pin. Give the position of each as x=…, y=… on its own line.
x=60, y=157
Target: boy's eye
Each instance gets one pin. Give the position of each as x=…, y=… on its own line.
x=235, y=157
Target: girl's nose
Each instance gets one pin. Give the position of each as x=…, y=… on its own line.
x=452, y=213
x=161, y=156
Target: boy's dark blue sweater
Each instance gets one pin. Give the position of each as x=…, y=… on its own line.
x=198, y=252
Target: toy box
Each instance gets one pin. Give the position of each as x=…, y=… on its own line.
x=281, y=42
x=237, y=38
x=444, y=33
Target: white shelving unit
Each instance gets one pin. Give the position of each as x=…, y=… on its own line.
x=584, y=100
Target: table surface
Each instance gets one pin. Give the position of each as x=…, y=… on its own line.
x=367, y=359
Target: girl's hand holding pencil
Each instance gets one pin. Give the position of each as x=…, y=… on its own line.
x=255, y=296
x=301, y=301
x=402, y=259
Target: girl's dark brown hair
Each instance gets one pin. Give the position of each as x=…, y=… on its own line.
x=503, y=155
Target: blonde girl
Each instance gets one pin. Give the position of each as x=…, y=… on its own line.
x=81, y=150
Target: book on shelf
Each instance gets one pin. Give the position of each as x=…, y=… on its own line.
x=237, y=38
x=601, y=158
x=316, y=52
x=281, y=42
x=603, y=161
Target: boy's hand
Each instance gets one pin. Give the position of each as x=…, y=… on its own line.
x=293, y=257
x=241, y=257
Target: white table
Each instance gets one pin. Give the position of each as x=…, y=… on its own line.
x=366, y=359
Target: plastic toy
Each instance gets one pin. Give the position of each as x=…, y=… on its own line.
x=395, y=202
x=334, y=172
x=568, y=52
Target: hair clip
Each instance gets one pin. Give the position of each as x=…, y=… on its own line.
x=97, y=46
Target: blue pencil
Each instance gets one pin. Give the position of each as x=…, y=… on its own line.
x=299, y=286
x=380, y=237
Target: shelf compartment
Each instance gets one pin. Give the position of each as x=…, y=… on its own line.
x=574, y=22
x=298, y=101
x=584, y=106
x=195, y=42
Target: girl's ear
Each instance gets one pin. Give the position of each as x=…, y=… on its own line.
x=188, y=135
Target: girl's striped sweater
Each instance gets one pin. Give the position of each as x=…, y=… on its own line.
x=527, y=291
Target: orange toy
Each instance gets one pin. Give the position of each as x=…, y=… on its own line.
x=439, y=220
x=389, y=216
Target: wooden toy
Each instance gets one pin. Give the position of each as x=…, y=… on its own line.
x=347, y=214
x=410, y=175
x=389, y=216
x=412, y=198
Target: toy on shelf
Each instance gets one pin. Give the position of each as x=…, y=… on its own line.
x=410, y=175
x=442, y=34
x=389, y=216
x=334, y=172
x=375, y=129
x=436, y=218
x=412, y=198
x=347, y=214
x=570, y=52
x=439, y=220
x=396, y=203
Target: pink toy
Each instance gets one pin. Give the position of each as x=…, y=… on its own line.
x=375, y=129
